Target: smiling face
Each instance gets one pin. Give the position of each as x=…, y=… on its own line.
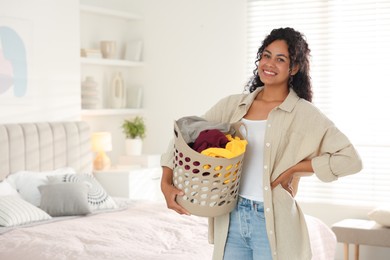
x=274, y=65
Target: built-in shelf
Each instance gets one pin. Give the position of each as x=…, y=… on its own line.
x=110, y=62
x=93, y=15
x=109, y=12
x=111, y=112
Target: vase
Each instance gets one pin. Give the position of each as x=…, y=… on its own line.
x=133, y=146
x=118, y=92
x=89, y=93
x=108, y=49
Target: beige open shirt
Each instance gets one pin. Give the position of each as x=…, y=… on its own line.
x=296, y=130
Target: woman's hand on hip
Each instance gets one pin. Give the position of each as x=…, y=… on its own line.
x=285, y=180
x=289, y=179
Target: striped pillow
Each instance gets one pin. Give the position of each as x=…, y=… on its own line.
x=16, y=211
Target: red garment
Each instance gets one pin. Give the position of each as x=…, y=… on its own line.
x=210, y=138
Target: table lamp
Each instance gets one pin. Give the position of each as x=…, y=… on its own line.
x=101, y=143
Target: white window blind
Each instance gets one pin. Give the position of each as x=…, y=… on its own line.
x=350, y=70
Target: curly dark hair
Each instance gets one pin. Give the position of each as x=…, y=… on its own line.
x=299, y=53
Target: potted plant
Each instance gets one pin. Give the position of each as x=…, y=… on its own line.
x=135, y=132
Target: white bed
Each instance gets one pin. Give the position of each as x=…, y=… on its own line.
x=133, y=230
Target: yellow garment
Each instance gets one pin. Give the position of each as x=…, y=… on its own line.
x=233, y=148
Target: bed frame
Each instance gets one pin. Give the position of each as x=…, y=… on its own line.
x=44, y=146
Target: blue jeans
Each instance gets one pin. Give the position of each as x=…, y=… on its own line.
x=247, y=236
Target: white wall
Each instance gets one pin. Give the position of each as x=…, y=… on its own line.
x=49, y=30
x=195, y=55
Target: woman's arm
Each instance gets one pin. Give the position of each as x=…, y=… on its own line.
x=337, y=157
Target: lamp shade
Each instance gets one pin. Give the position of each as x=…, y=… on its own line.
x=101, y=141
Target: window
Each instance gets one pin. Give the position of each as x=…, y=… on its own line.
x=350, y=69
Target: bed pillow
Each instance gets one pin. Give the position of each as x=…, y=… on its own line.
x=98, y=198
x=27, y=182
x=381, y=216
x=6, y=189
x=65, y=199
x=15, y=211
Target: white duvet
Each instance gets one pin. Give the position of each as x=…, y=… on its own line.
x=144, y=231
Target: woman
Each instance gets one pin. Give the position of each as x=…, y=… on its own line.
x=287, y=138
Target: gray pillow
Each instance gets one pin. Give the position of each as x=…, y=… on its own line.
x=65, y=199
x=98, y=198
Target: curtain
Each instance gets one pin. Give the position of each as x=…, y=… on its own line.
x=350, y=70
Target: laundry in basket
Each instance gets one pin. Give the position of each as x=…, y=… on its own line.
x=210, y=184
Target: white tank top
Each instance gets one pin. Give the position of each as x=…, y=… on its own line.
x=251, y=182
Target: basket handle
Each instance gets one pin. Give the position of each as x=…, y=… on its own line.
x=236, y=126
x=176, y=129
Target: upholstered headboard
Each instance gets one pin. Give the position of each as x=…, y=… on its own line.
x=44, y=146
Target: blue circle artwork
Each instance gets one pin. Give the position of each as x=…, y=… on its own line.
x=13, y=62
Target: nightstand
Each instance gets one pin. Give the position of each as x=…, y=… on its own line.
x=135, y=184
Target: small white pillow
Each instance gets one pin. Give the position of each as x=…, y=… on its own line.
x=381, y=215
x=6, y=189
x=15, y=211
x=27, y=182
